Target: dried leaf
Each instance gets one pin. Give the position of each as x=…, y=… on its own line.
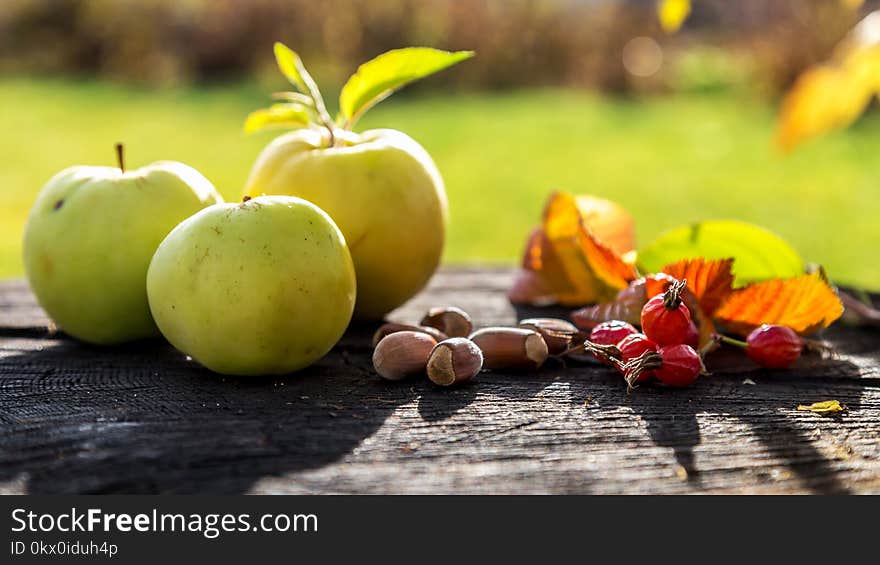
x=530, y=287
x=806, y=304
x=573, y=265
x=833, y=95
x=626, y=306
x=543, y=278
x=823, y=407
x=608, y=221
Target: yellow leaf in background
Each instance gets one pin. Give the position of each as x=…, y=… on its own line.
x=833, y=95
x=673, y=13
x=823, y=407
x=852, y=4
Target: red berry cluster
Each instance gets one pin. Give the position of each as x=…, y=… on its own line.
x=665, y=351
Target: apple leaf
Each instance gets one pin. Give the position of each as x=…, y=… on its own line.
x=378, y=78
x=278, y=115
x=294, y=97
x=292, y=67
x=760, y=254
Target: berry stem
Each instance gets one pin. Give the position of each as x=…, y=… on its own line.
x=120, y=156
x=711, y=346
x=731, y=341
x=633, y=369
x=672, y=297
x=607, y=353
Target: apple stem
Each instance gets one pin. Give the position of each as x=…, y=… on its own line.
x=120, y=156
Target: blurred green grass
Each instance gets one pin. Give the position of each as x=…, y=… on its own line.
x=669, y=160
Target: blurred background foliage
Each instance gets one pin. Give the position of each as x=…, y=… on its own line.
x=584, y=95
x=520, y=42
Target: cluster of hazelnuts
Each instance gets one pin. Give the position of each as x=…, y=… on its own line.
x=444, y=346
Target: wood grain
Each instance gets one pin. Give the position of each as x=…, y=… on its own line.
x=143, y=419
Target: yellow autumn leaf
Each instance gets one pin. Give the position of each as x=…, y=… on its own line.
x=581, y=254
x=834, y=94
x=673, y=13
x=595, y=270
x=824, y=407
x=852, y=4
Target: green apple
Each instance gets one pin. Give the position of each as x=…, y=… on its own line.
x=89, y=239
x=266, y=286
x=384, y=192
x=380, y=186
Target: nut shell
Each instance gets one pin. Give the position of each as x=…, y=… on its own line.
x=401, y=354
x=450, y=320
x=511, y=348
x=394, y=327
x=558, y=334
x=454, y=361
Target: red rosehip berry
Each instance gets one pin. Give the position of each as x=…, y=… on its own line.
x=632, y=347
x=611, y=333
x=681, y=365
x=665, y=318
x=774, y=347
x=693, y=336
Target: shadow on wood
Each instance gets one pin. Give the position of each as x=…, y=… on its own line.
x=141, y=418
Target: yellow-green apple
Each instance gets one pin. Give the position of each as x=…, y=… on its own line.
x=89, y=239
x=380, y=186
x=266, y=286
x=385, y=193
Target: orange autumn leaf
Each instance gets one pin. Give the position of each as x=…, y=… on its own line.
x=806, y=304
x=608, y=221
x=567, y=262
x=710, y=281
x=544, y=277
x=593, y=270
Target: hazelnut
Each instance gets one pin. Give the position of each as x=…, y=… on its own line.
x=393, y=327
x=558, y=334
x=401, y=354
x=453, y=361
x=511, y=348
x=450, y=320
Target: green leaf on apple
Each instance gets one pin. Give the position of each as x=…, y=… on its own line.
x=292, y=67
x=760, y=254
x=378, y=78
x=374, y=81
x=290, y=115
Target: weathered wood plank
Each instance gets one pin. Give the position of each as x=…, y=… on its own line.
x=141, y=418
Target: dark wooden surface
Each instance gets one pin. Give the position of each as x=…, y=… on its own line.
x=141, y=418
